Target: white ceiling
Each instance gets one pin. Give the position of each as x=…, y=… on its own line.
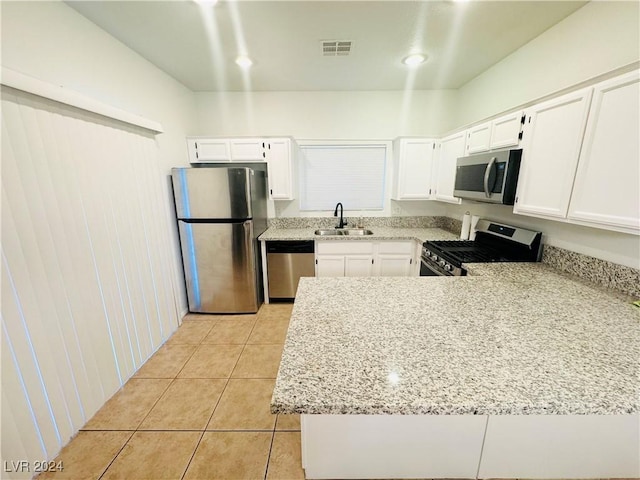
x=197, y=43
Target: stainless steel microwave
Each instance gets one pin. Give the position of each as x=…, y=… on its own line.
x=488, y=177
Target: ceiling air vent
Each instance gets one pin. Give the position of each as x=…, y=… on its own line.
x=336, y=48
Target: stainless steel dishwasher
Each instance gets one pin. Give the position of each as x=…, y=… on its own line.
x=287, y=261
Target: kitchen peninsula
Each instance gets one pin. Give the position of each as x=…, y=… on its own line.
x=515, y=371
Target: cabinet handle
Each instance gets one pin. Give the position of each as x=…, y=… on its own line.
x=264, y=155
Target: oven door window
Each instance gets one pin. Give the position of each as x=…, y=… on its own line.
x=430, y=270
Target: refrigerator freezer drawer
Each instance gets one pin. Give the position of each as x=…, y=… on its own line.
x=219, y=266
x=212, y=193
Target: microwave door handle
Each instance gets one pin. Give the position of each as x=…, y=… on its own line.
x=487, y=172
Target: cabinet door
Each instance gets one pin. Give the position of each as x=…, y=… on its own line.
x=607, y=186
x=358, y=265
x=208, y=150
x=279, y=158
x=247, y=149
x=479, y=138
x=505, y=131
x=451, y=148
x=552, y=138
x=390, y=265
x=330, y=265
x=414, y=166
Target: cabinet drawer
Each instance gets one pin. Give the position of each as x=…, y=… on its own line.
x=401, y=247
x=344, y=247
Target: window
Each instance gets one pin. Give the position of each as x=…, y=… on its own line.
x=349, y=173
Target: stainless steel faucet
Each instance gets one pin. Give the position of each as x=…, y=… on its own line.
x=335, y=214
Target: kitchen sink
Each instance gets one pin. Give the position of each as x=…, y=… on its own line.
x=337, y=231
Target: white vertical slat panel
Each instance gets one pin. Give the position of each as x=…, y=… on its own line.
x=35, y=339
x=169, y=265
x=62, y=276
x=146, y=220
x=88, y=288
x=22, y=443
x=97, y=165
x=44, y=210
x=86, y=158
x=124, y=324
x=79, y=274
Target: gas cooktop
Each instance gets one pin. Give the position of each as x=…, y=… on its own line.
x=494, y=242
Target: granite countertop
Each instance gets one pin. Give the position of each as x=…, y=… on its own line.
x=379, y=233
x=507, y=339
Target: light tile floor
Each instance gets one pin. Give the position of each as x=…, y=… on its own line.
x=197, y=409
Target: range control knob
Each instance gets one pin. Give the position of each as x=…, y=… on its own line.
x=434, y=257
x=448, y=267
x=442, y=263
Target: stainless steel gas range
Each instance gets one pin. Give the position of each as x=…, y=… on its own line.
x=494, y=242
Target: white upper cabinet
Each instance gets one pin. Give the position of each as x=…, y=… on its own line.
x=551, y=146
x=412, y=168
x=479, y=138
x=505, y=131
x=247, y=149
x=607, y=184
x=450, y=149
x=208, y=150
x=280, y=154
x=499, y=133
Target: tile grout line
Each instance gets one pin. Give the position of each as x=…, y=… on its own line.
x=152, y=407
x=273, y=435
x=217, y=403
x=117, y=453
x=204, y=430
x=173, y=379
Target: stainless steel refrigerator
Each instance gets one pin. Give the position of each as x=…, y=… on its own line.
x=221, y=212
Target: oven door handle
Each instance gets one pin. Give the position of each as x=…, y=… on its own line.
x=487, y=173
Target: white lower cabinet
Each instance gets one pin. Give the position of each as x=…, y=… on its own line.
x=348, y=258
x=394, y=259
x=470, y=446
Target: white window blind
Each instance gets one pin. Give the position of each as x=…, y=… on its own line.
x=351, y=174
x=86, y=268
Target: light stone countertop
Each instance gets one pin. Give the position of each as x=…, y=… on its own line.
x=507, y=339
x=379, y=233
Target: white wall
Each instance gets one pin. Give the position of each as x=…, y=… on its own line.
x=327, y=115
x=600, y=37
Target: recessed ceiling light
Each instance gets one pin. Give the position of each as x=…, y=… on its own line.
x=414, y=59
x=243, y=61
